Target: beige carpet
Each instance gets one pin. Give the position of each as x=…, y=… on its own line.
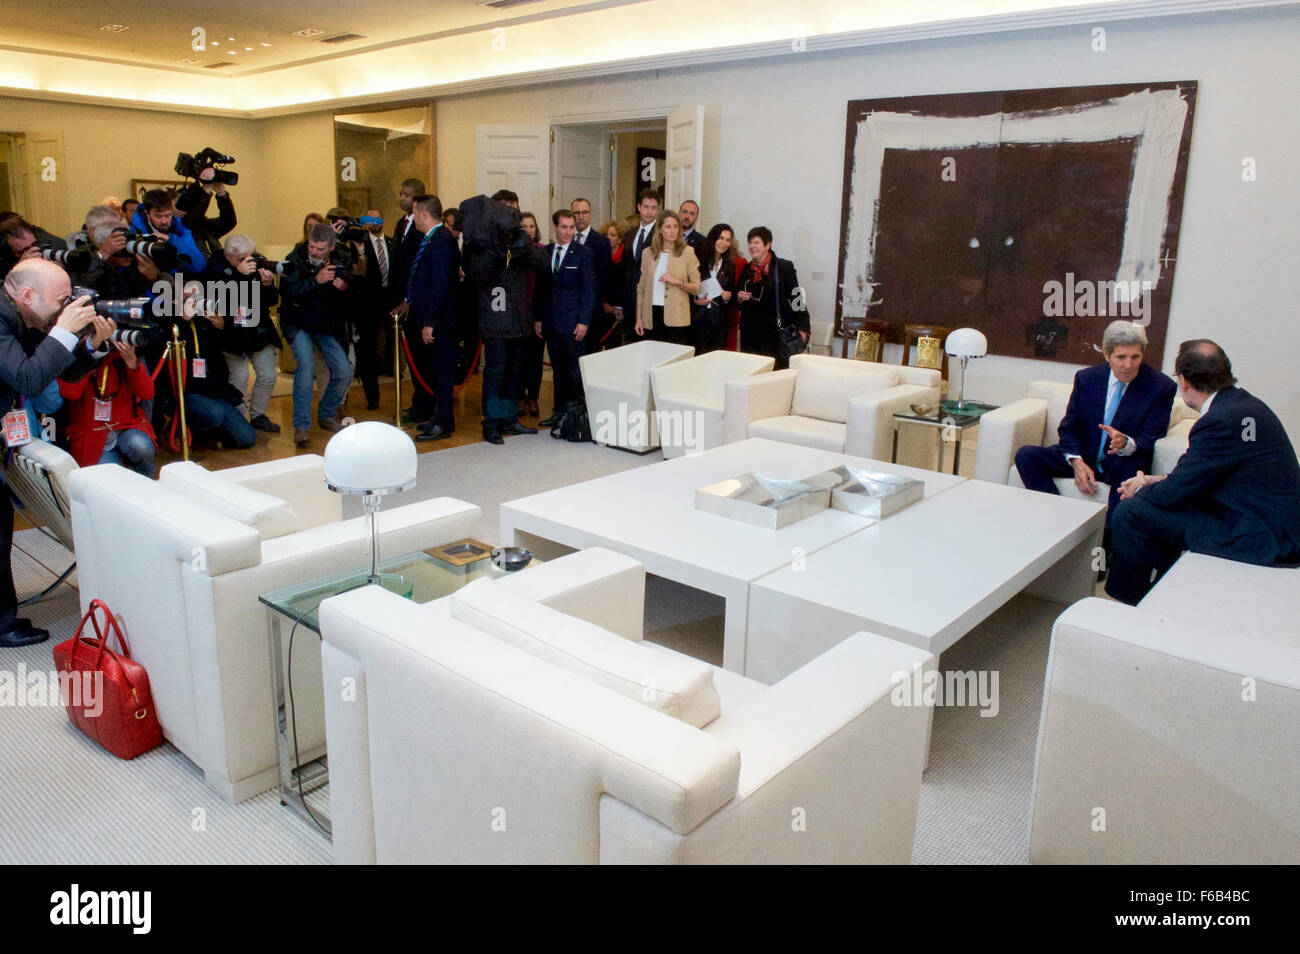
x=64, y=800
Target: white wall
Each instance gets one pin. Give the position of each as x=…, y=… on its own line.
x=782, y=159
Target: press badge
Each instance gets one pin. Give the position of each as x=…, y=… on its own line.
x=103, y=410
x=17, y=433
x=200, y=367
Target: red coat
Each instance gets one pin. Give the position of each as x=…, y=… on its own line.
x=126, y=389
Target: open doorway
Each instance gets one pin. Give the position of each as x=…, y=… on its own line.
x=607, y=164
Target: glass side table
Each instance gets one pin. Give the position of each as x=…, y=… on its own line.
x=293, y=613
x=948, y=414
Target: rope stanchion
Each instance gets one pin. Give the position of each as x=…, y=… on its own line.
x=415, y=374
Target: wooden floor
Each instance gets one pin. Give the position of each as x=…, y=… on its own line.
x=468, y=411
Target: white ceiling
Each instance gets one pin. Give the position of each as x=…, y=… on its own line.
x=160, y=34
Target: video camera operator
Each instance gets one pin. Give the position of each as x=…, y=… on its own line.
x=39, y=341
x=193, y=205
x=155, y=216
x=249, y=339
x=316, y=298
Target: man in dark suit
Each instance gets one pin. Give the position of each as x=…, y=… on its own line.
x=39, y=341
x=635, y=242
x=1234, y=494
x=431, y=301
x=568, y=302
x=602, y=316
x=375, y=264
x=1117, y=412
x=690, y=215
x=406, y=242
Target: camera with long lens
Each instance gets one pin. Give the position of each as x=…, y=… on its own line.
x=343, y=267
x=72, y=259
x=261, y=261
x=128, y=313
x=163, y=254
x=353, y=231
x=191, y=166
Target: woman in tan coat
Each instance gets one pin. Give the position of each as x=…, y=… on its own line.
x=670, y=278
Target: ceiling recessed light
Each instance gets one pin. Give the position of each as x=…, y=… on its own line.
x=308, y=32
x=231, y=39
x=216, y=42
x=266, y=44
x=248, y=49
x=114, y=27
x=233, y=53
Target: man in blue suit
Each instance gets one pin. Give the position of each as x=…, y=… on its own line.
x=602, y=318
x=431, y=306
x=1117, y=412
x=1234, y=494
x=567, y=307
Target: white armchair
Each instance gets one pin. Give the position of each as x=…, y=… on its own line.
x=690, y=397
x=182, y=563
x=521, y=720
x=1034, y=419
x=1170, y=731
x=620, y=404
x=830, y=403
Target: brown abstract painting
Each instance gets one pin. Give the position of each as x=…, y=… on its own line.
x=1036, y=216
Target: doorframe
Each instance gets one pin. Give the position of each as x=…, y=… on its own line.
x=655, y=118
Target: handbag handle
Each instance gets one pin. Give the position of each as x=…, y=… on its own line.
x=111, y=625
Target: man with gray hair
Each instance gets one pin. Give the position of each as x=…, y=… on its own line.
x=249, y=337
x=110, y=270
x=1117, y=412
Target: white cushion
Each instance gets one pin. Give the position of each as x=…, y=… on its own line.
x=823, y=390
x=808, y=431
x=270, y=516
x=1057, y=396
x=673, y=684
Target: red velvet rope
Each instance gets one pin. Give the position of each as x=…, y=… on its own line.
x=410, y=363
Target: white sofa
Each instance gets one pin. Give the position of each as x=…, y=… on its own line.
x=522, y=720
x=620, y=405
x=690, y=397
x=1035, y=418
x=830, y=403
x=1175, y=724
x=182, y=562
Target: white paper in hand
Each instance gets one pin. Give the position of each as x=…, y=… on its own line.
x=710, y=288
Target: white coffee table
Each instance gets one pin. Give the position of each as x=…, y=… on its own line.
x=925, y=576
x=649, y=514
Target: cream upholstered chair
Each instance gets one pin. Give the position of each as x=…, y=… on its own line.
x=690, y=395
x=620, y=405
x=182, y=562
x=522, y=720
x=1170, y=731
x=1034, y=419
x=831, y=403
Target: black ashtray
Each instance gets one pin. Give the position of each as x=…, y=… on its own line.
x=510, y=559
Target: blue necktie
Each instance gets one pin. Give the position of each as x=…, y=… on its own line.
x=424, y=244
x=1112, y=403
x=559, y=257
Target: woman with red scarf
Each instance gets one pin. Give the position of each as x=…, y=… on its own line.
x=769, y=296
x=105, y=425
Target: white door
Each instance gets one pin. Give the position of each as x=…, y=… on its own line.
x=515, y=158
x=580, y=164
x=40, y=169
x=685, y=157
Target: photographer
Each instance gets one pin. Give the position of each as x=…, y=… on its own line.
x=106, y=421
x=154, y=216
x=249, y=339
x=316, y=298
x=112, y=271
x=193, y=205
x=21, y=240
x=39, y=330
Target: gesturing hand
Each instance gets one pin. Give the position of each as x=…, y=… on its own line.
x=1117, y=441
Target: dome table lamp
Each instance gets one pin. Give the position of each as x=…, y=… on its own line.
x=372, y=459
x=965, y=343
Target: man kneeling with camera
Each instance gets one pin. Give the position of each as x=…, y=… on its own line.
x=39, y=341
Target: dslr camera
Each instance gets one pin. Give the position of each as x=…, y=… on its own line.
x=353, y=231
x=72, y=259
x=129, y=313
x=163, y=254
x=191, y=166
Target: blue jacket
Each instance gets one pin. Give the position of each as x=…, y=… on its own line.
x=181, y=237
x=1238, y=483
x=1143, y=414
x=570, y=296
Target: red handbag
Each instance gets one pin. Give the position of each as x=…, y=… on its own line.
x=107, y=694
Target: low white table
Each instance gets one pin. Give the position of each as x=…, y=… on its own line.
x=649, y=514
x=925, y=576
